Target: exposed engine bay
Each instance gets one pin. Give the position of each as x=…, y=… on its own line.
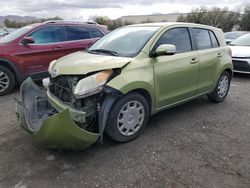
x=62, y=87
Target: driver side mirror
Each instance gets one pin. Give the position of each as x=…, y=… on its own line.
x=164, y=49
x=28, y=40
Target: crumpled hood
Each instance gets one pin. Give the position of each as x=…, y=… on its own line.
x=240, y=51
x=83, y=63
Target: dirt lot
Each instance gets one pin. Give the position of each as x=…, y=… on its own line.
x=198, y=144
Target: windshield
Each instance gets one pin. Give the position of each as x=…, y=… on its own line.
x=234, y=35
x=126, y=41
x=242, y=41
x=15, y=34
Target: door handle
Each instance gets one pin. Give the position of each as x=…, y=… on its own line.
x=194, y=61
x=219, y=55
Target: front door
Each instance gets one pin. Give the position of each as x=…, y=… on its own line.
x=176, y=76
x=47, y=46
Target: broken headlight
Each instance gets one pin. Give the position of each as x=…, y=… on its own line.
x=92, y=84
x=52, y=70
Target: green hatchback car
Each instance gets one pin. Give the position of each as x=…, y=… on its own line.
x=126, y=76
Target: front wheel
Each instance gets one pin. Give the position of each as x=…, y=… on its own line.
x=127, y=118
x=7, y=81
x=221, y=90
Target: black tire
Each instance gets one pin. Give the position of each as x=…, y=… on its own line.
x=217, y=96
x=6, y=76
x=130, y=99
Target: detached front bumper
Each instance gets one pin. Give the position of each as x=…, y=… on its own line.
x=49, y=122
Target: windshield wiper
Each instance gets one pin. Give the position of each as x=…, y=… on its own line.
x=114, y=53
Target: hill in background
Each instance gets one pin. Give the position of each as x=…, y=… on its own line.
x=17, y=18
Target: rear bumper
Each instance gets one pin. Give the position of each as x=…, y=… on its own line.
x=50, y=123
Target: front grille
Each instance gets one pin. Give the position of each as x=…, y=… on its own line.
x=61, y=88
x=241, y=65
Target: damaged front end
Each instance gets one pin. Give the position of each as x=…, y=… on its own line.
x=57, y=119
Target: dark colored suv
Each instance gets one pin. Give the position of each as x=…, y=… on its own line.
x=29, y=50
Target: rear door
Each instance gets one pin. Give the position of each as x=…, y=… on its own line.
x=209, y=57
x=80, y=37
x=176, y=76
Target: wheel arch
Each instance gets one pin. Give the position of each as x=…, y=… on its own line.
x=9, y=65
x=143, y=88
x=146, y=95
x=230, y=72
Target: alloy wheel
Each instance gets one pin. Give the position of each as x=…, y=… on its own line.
x=4, y=81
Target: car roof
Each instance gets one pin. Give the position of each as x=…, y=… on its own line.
x=62, y=22
x=68, y=23
x=166, y=24
x=65, y=22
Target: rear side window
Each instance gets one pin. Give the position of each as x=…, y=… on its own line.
x=179, y=37
x=205, y=39
x=48, y=35
x=214, y=39
x=95, y=33
x=202, y=39
x=76, y=33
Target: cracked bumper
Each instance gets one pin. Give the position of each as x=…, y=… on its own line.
x=50, y=124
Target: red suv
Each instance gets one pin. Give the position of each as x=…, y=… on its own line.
x=29, y=50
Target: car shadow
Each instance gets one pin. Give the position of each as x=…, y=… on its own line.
x=155, y=125
x=241, y=75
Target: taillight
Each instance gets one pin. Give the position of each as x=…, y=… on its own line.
x=230, y=52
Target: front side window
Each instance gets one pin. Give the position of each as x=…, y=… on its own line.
x=179, y=37
x=48, y=35
x=202, y=39
x=76, y=33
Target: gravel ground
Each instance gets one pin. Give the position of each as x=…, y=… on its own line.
x=198, y=144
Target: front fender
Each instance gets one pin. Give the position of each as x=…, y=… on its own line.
x=136, y=78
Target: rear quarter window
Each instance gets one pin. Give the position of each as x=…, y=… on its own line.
x=214, y=40
x=95, y=33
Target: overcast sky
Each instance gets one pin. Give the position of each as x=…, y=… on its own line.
x=83, y=9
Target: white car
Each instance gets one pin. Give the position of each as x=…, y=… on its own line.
x=233, y=35
x=241, y=54
x=3, y=33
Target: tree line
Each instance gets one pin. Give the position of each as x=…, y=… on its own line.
x=219, y=17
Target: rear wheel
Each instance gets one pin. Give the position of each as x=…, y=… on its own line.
x=7, y=81
x=221, y=90
x=127, y=118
